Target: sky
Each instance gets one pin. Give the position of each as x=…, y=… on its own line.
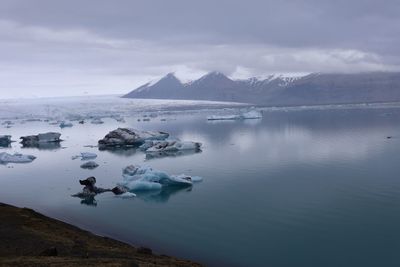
x=75, y=47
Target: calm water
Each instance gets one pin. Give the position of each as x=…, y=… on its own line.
x=297, y=188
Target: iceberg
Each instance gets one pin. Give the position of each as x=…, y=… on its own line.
x=172, y=146
x=127, y=195
x=85, y=156
x=89, y=165
x=252, y=114
x=145, y=178
x=33, y=140
x=5, y=140
x=127, y=137
x=16, y=158
x=223, y=117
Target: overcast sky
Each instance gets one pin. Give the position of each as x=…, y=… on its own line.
x=75, y=47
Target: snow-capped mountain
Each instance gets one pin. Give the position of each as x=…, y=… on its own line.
x=316, y=88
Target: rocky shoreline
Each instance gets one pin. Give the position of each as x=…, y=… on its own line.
x=29, y=238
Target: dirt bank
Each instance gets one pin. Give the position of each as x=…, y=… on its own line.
x=28, y=238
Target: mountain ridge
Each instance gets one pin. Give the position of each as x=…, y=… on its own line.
x=310, y=89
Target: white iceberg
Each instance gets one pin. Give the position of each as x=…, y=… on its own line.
x=126, y=195
x=130, y=137
x=16, y=158
x=145, y=178
x=252, y=114
x=173, y=146
x=85, y=156
x=223, y=117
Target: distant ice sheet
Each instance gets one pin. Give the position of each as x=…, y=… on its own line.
x=70, y=108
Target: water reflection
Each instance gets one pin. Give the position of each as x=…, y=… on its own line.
x=163, y=195
x=43, y=146
x=120, y=151
x=89, y=201
x=158, y=196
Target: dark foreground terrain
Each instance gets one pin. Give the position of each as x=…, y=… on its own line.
x=28, y=238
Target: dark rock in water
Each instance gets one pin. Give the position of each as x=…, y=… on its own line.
x=143, y=250
x=90, y=181
x=90, y=190
x=388, y=137
x=123, y=137
x=119, y=190
x=50, y=252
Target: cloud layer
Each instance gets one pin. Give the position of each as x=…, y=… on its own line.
x=74, y=47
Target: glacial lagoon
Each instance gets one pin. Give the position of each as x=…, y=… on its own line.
x=307, y=186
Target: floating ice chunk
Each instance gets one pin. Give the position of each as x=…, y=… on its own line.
x=64, y=124
x=130, y=137
x=129, y=170
x=89, y=165
x=33, y=140
x=16, y=158
x=252, y=114
x=97, y=121
x=5, y=140
x=173, y=146
x=223, y=117
x=145, y=178
x=85, y=156
x=127, y=195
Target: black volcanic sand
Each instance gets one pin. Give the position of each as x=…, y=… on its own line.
x=28, y=238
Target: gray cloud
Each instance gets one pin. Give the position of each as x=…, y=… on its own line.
x=52, y=47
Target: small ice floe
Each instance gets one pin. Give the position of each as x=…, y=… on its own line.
x=252, y=114
x=64, y=124
x=35, y=140
x=127, y=137
x=15, y=158
x=223, y=117
x=170, y=146
x=85, y=156
x=97, y=121
x=126, y=195
x=5, y=140
x=89, y=165
x=136, y=178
